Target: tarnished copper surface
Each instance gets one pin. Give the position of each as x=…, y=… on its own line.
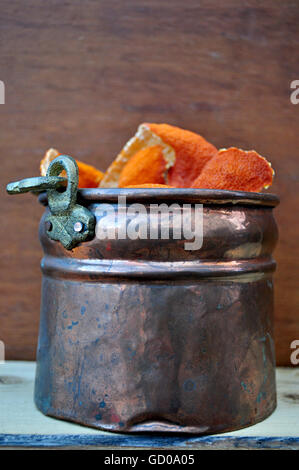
x=146, y=336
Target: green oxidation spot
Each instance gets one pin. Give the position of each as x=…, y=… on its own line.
x=98, y=417
x=132, y=352
x=74, y=323
x=62, y=226
x=36, y=185
x=246, y=387
x=261, y=396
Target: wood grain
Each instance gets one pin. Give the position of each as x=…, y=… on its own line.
x=80, y=76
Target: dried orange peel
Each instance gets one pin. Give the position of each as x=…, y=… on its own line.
x=182, y=156
x=146, y=166
x=165, y=156
x=152, y=186
x=89, y=176
x=144, y=138
x=237, y=170
x=192, y=152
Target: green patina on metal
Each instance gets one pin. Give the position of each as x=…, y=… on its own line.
x=35, y=185
x=67, y=222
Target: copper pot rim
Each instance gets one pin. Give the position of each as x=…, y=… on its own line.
x=183, y=195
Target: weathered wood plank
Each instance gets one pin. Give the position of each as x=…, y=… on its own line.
x=23, y=425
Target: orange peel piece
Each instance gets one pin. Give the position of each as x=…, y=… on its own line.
x=147, y=185
x=146, y=166
x=185, y=154
x=89, y=176
x=237, y=170
x=144, y=138
x=192, y=153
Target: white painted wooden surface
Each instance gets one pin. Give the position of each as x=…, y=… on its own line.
x=22, y=424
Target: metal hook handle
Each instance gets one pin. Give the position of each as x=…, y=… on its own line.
x=35, y=185
x=67, y=222
x=62, y=202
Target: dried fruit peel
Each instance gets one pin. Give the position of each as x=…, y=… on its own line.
x=192, y=153
x=89, y=176
x=49, y=156
x=165, y=156
x=237, y=170
x=145, y=167
x=143, y=138
x=147, y=185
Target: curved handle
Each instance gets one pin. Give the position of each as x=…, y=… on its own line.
x=63, y=201
x=67, y=222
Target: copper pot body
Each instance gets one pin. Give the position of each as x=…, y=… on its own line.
x=144, y=336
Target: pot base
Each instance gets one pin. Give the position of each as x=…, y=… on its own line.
x=164, y=427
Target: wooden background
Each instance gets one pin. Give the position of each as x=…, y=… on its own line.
x=81, y=75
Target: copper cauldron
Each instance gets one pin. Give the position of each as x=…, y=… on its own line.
x=143, y=335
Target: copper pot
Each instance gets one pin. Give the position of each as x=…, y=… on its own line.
x=142, y=335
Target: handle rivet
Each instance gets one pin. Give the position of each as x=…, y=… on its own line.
x=48, y=226
x=78, y=227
